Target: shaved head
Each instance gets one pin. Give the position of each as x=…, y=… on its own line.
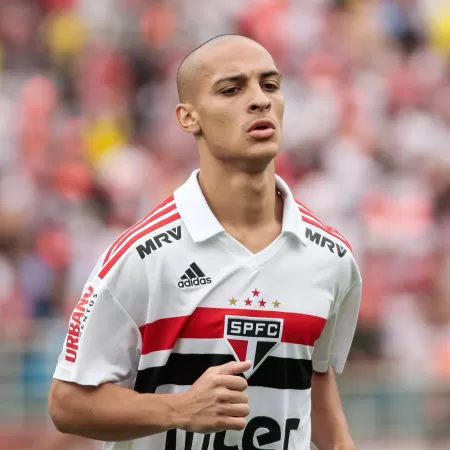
x=190, y=67
x=225, y=86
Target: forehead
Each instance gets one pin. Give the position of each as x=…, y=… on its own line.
x=233, y=58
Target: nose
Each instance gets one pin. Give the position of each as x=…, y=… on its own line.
x=259, y=102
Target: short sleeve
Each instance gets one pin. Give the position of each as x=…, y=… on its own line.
x=333, y=345
x=102, y=343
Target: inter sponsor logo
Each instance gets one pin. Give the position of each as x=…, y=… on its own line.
x=193, y=276
x=252, y=338
x=155, y=243
x=262, y=429
x=323, y=241
x=77, y=322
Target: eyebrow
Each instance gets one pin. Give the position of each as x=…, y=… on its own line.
x=243, y=76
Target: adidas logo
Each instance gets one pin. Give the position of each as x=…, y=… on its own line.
x=193, y=277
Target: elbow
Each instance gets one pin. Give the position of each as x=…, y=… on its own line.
x=57, y=407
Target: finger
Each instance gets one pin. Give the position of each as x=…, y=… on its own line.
x=231, y=423
x=235, y=397
x=232, y=382
x=235, y=410
x=234, y=367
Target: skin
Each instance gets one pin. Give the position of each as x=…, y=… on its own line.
x=221, y=107
x=236, y=82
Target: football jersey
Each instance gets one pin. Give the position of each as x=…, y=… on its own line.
x=175, y=294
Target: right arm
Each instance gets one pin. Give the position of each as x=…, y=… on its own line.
x=92, y=394
x=109, y=412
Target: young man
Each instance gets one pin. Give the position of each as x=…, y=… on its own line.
x=230, y=276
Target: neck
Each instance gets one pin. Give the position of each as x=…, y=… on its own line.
x=240, y=199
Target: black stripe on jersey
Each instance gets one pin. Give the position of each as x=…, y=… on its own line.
x=185, y=369
x=171, y=439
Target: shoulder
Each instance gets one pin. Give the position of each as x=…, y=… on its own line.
x=319, y=233
x=121, y=272
x=332, y=245
x=161, y=226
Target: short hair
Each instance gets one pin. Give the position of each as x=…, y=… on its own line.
x=187, y=69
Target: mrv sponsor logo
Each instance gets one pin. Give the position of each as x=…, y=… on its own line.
x=323, y=241
x=155, y=243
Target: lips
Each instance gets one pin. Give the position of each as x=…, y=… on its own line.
x=261, y=129
x=261, y=125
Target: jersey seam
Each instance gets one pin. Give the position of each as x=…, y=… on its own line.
x=337, y=304
x=350, y=288
x=126, y=313
x=347, y=292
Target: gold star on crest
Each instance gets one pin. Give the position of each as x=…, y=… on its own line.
x=276, y=304
x=233, y=301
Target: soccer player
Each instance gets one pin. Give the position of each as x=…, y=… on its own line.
x=217, y=321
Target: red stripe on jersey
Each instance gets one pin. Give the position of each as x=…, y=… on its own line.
x=304, y=207
x=109, y=265
x=328, y=230
x=128, y=231
x=307, y=211
x=304, y=211
x=144, y=224
x=208, y=323
x=337, y=233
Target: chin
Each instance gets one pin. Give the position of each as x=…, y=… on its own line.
x=259, y=156
x=264, y=149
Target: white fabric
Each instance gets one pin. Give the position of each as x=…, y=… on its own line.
x=301, y=283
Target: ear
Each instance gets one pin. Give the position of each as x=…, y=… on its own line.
x=188, y=118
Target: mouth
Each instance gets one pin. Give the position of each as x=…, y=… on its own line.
x=261, y=129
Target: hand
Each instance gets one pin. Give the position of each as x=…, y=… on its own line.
x=216, y=401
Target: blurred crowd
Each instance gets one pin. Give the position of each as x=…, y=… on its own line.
x=89, y=143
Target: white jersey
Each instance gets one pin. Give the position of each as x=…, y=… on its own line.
x=175, y=294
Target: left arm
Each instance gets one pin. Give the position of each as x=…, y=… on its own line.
x=329, y=426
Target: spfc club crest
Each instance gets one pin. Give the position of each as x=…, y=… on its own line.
x=252, y=338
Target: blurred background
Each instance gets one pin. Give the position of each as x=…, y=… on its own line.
x=89, y=144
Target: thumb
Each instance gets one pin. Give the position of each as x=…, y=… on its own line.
x=234, y=367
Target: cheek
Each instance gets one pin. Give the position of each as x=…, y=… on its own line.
x=225, y=120
x=222, y=122
x=280, y=109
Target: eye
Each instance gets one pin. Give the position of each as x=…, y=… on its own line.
x=270, y=86
x=230, y=91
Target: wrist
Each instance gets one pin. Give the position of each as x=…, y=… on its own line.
x=161, y=412
x=175, y=416
x=347, y=445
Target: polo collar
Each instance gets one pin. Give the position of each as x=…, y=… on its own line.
x=202, y=224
